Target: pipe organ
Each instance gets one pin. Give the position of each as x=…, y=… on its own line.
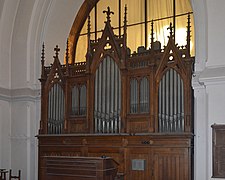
x=133, y=107
x=79, y=98
x=107, y=105
x=55, y=109
x=171, y=102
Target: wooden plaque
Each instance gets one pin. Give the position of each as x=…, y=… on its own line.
x=218, y=151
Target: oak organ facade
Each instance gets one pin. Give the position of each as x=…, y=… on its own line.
x=133, y=107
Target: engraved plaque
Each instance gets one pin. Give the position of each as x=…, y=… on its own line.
x=138, y=164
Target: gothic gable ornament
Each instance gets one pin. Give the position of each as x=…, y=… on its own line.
x=171, y=58
x=108, y=44
x=56, y=75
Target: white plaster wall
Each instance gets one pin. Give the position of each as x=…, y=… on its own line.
x=58, y=24
x=19, y=68
x=7, y=19
x=23, y=142
x=24, y=25
x=216, y=98
x=5, y=123
x=216, y=32
x=8, y=9
x=208, y=80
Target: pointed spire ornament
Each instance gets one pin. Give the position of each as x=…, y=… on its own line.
x=152, y=34
x=43, y=60
x=125, y=21
x=57, y=49
x=67, y=57
x=189, y=34
x=171, y=30
x=108, y=13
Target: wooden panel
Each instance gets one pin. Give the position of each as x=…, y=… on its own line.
x=218, y=151
x=142, y=154
x=164, y=156
x=78, y=126
x=171, y=164
x=139, y=127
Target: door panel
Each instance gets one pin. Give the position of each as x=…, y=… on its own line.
x=139, y=165
x=171, y=164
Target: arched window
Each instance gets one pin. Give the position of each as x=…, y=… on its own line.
x=158, y=12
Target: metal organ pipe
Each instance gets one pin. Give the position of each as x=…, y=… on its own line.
x=167, y=100
x=175, y=85
x=83, y=100
x=107, y=97
x=62, y=109
x=182, y=106
x=171, y=94
x=119, y=102
x=75, y=101
x=171, y=103
x=103, y=95
x=112, y=94
x=134, y=96
x=55, y=110
x=144, y=95
x=163, y=103
x=79, y=100
x=96, y=101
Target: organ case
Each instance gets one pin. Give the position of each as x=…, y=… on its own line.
x=133, y=107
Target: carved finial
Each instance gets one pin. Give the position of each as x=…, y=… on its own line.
x=43, y=54
x=89, y=32
x=57, y=49
x=89, y=25
x=125, y=49
x=171, y=30
x=125, y=21
x=108, y=12
x=152, y=34
x=67, y=51
x=189, y=34
x=88, y=54
x=67, y=57
x=43, y=60
x=125, y=15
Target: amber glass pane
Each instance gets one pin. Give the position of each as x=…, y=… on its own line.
x=156, y=9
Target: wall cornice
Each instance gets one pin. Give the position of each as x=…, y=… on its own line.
x=212, y=76
x=22, y=94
